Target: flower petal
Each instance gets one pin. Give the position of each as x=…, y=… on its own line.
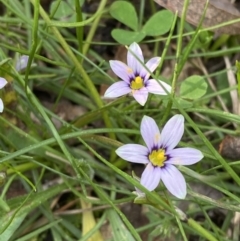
x=174, y=181
x=117, y=89
x=151, y=65
x=1, y=106
x=122, y=70
x=184, y=156
x=158, y=87
x=22, y=62
x=133, y=62
x=150, y=132
x=172, y=132
x=133, y=153
x=3, y=82
x=140, y=95
x=151, y=177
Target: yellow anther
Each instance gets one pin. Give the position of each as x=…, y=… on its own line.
x=158, y=157
x=137, y=83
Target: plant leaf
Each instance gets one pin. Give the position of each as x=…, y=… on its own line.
x=63, y=10
x=193, y=87
x=159, y=24
x=127, y=37
x=125, y=13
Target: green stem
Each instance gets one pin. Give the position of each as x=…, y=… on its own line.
x=22, y=168
x=94, y=27
x=79, y=30
x=166, y=45
x=34, y=40
x=202, y=231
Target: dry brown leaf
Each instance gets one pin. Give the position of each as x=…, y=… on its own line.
x=230, y=147
x=219, y=11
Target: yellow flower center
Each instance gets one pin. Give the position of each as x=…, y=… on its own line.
x=137, y=83
x=158, y=157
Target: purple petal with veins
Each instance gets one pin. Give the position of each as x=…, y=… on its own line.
x=140, y=95
x=150, y=132
x=151, y=65
x=174, y=181
x=133, y=153
x=117, y=89
x=172, y=132
x=121, y=70
x=151, y=177
x=135, y=58
x=156, y=87
x=184, y=156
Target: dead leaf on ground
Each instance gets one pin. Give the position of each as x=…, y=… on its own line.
x=219, y=11
x=230, y=147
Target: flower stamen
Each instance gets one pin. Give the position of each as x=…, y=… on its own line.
x=137, y=83
x=158, y=157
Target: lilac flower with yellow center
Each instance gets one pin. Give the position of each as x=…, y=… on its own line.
x=160, y=155
x=136, y=77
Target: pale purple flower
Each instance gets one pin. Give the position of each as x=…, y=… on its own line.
x=3, y=82
x=136, y=77
x=160, y=155
x=22, y=63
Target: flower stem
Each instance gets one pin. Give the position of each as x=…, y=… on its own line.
x=197, y=227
